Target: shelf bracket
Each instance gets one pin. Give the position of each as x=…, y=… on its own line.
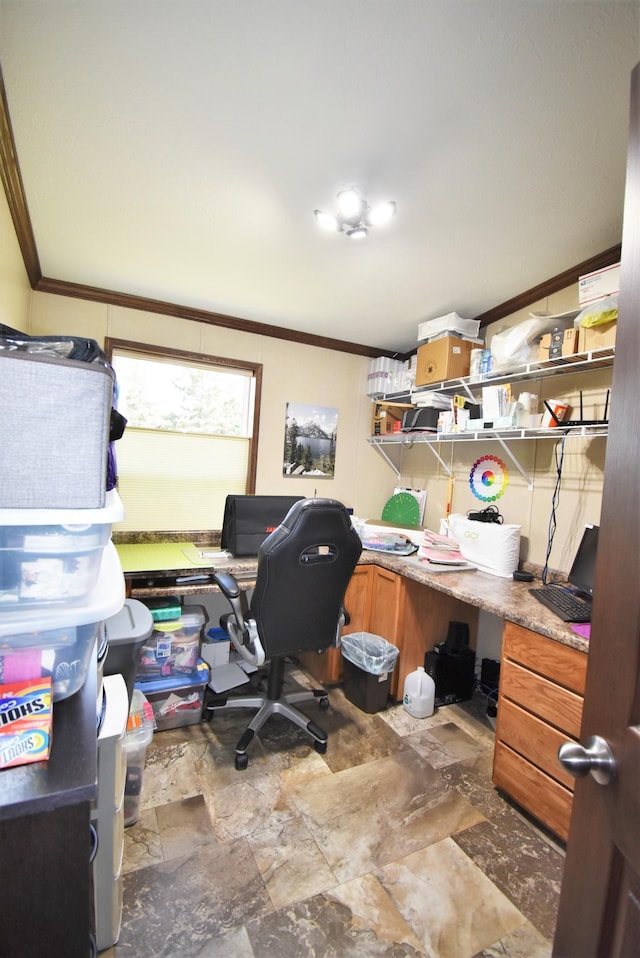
x=513, y=459
x=387, y=458
x=407, y=444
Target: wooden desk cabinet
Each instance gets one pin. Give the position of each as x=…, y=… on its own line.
x=374, y=601
x=539, y=707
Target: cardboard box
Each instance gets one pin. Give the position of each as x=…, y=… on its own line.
x=387, y=417
x=563, y=342
x=597, y=285
x=446, y=358
x=597, y=337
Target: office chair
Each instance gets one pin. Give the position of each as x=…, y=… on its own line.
x=304, y=567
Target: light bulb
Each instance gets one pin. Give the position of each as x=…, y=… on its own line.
x=327, y=220
x=350, y=204
x=381, y=214
x=358, y=232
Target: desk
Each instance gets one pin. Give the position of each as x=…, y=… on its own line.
x=151, y=569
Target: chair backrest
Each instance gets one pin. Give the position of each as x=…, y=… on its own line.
x=304, y=568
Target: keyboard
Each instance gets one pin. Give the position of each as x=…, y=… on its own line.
x=564, y=603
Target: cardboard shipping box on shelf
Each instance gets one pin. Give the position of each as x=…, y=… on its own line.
x=446, y=358
x=597, y=337
x=385, y=417
x=561, y=342
x=600, y=283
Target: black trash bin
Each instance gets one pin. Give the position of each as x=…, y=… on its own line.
x=368, y=662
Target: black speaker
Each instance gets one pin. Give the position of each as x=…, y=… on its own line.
x=452, y=671
x=453, y=675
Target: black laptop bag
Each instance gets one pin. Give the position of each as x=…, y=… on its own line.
x=248, y=520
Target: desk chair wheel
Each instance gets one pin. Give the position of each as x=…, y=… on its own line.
x=242, y=761
x=323, y=702
x=320, y=747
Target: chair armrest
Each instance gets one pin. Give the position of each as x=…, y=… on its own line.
x=238, y=624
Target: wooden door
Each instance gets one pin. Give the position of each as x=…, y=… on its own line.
x=599, y=911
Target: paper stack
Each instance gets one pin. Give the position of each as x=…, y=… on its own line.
x=441, y=553
x=451, y=323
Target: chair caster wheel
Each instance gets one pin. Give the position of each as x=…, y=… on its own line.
x=320, y=747
x=323, y=703
x=241, y=761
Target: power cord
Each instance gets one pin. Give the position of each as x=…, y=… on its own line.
x=555, y=499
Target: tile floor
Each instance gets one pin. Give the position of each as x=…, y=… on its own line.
x=393, y=843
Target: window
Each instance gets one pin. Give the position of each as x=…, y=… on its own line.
x=191, y=435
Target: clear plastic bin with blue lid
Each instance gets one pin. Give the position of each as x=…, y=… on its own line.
x=52, y=557
x=59, y=640
x=173, y=646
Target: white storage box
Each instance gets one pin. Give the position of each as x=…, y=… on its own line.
x=385, y=375
x=53, y=555
x=491, y=547
x=54, y=432
x=59, y=641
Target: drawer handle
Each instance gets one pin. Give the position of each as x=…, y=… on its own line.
x=594, y=758
x=93, y=847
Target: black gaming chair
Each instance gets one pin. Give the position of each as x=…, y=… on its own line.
x=304, y=568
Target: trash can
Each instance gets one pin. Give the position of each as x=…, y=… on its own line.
x=368, y=662
x=140, y=727
x=127, y=631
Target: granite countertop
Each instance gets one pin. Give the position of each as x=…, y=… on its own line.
x=503, y=597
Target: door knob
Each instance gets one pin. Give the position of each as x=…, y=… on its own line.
x=593, y=757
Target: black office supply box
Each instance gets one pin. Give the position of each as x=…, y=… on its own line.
x=248, y=520
x=453, y=674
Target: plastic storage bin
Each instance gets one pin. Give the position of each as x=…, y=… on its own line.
x=127, y=631
x=173, y=647
x=59, y=641
x=53, y=556
x=368, y=661
x=140, y=726
x=177, y=700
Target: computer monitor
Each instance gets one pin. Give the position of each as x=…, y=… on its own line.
x=583, y=570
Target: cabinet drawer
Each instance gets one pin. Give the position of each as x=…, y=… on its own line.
x=561, y=663
x=557, y=706
x=537, y=793
x=533, y=739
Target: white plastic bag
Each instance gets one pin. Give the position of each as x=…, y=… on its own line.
x=491, y=547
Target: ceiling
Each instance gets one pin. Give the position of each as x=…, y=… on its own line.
x=177, y=150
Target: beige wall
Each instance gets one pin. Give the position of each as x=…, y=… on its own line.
x=291, y=373
x=15, y=292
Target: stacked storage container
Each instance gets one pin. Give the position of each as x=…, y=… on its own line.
x=60, y=576
x=171, y=673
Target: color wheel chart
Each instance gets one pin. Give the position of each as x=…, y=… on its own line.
x=488, y=478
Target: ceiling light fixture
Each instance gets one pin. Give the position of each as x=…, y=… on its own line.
x=355, y=216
